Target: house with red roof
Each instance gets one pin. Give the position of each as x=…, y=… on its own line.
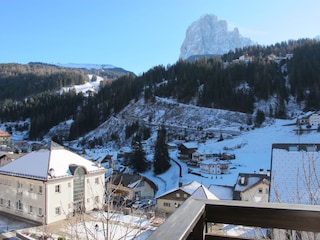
x=5, y=138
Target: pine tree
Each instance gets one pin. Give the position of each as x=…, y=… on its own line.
x=161, y=157
x=138, y=158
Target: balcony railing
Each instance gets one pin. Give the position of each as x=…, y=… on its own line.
x=192, y=219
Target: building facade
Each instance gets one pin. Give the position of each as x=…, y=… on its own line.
x=51, y=184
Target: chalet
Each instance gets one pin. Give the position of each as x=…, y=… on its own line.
x=252, y=187
x=214, y=166
x=203, y=154
x=295, y=169
x=187, y=149
x=131, y=186
x=5, y=138
x=50, y=185
x=168, y=202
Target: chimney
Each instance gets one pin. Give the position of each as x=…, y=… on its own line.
x=268, y=172
x=51, y=172
x=261, y=171
x=180, y=184
x=242, y=180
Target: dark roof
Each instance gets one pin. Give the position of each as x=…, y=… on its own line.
x=127, y=179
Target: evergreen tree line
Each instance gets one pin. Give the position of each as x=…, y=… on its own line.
x=205, y=82
x=18, y=81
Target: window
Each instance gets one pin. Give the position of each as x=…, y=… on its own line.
x=166, y=204
x=177, y=195
x=185, y=195
x=30, y=209
x=40, y=212
x=96, y=180
x=260, y=190
x=40, y=189
x=19, y=184
x=88, y=200
x=58, y=210
x=9, y=203
x=57, y=189
x=31, y=188
x=1, y=201
x=19, y=205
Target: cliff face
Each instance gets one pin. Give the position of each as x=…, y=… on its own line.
x=209, y=35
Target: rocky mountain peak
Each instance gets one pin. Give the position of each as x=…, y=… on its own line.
x=209, y=35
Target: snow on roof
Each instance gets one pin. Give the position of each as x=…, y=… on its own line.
x=249, y=181
x=190, y=145
x=213, y=161
x=190, y=187
x=37, y=164
x=203, y=193
x=294, y=172
x=222, y=192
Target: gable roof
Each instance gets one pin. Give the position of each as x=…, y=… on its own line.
x=41, y=164
x=4, y=134
x=203, y=193
x=195, y=189
x=222, y=192
x=131, y=180
x=246, y=181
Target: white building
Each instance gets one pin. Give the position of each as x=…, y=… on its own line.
x=314, y=120
x=214, y=166
x=51, y=184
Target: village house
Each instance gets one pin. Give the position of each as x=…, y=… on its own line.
x=51, y=184
x=214, y=166
x=202, y=154
x=253, y=187
x=187, y=149
x=295, y=169
x=131, y=187
x=168, y=202
x=5, y=138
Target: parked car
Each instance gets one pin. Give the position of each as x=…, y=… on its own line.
x=138, y=205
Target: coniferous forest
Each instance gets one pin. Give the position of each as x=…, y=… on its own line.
x=31, y=90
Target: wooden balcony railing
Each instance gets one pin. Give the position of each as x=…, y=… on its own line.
x=192, y=218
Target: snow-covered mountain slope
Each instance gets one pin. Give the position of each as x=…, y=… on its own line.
x=85, y=66
x=209, y=35
x=187, y=121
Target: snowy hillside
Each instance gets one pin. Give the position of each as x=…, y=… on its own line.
x=252, y=147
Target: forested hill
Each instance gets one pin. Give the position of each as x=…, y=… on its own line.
x=18, y=81
x=225, y=83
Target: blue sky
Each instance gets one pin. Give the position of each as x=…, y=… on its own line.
x=140, y=34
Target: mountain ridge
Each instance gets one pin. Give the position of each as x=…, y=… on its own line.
x=209, y=35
